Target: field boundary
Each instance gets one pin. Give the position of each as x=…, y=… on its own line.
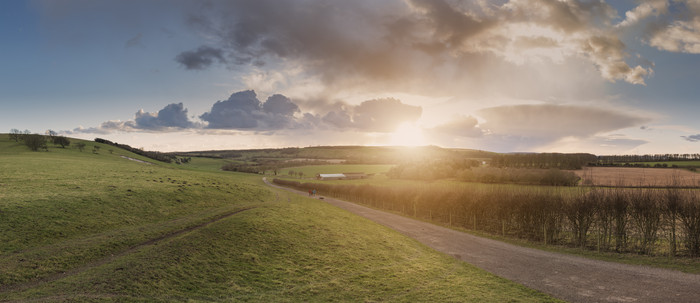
x=99, y=262
x=571, y=278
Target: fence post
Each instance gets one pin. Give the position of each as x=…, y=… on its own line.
x=598, y=237
x=450, y=218
x=545, y=233
x=474, y=221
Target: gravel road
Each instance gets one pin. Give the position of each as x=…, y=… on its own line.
x=566, y=277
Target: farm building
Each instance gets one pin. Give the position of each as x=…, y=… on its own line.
x=328, y=177
x=352, y=176
x=343, y=176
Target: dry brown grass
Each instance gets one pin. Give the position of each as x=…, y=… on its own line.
x=635, y=176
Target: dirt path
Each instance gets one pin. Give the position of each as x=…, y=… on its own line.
x=117, y=255
x=567, y=277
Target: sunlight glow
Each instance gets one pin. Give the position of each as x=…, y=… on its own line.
x=407, y=134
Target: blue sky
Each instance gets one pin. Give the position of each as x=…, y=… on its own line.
x=525, y=75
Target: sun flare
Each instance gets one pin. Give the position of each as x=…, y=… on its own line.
x=407, y=134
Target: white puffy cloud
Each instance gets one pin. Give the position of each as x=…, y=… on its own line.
x=644, y=10
x=680, y=32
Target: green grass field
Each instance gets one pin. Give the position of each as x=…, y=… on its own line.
x=79, y=226
x=671, y=163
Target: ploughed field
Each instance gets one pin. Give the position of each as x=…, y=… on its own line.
x=639, y=177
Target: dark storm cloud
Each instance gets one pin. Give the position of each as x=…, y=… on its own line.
x=201, y=58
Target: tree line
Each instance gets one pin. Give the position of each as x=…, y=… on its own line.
x=35, y=142
x=612, y=159
x=262, y=165
x=543, y=160
x=158, y=156
x=645, y=221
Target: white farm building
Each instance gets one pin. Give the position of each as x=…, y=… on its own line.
x=343, y=176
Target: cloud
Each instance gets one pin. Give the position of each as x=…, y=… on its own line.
x=680, y=33
x=378, y=115
x=460, y=127
x=201, y=58
x=136, y=40
x=547, y=122
x=243, y=111
x=419, y=46
x=606, y=52
x=237, y=112
x=644, y=10
x=172, y=117
x=692, y=138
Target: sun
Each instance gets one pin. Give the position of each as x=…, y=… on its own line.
x=407, y=134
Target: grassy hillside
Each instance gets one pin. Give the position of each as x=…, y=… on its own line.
x=79, y=226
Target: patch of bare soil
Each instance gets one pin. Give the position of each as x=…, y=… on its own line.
x=566, y=277
x=136, y=160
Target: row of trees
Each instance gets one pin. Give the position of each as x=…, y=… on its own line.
x=647, y=158
x=543, y=160
x=647, y=221
x=35, y=142
x=262, y=165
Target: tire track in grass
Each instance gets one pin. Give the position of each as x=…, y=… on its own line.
x=108, y=259
x=567, y=277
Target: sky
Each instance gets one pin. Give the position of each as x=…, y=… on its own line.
x=604, y=77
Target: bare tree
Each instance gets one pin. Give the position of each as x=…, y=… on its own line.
x=80, y=146
x=15, y=134
x=35, y=142
x=60, y=140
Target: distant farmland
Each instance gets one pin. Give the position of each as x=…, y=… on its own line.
x=636, y=176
